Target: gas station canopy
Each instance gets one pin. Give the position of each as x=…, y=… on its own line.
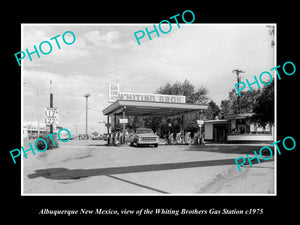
x=141, y=108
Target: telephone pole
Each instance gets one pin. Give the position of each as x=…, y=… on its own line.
x=238, y=79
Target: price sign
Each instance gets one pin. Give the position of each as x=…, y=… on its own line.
x=51, y=116
x=123, y=120
x=200, y=122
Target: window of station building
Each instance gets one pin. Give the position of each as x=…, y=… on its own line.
x=258, y=129
x=245, y=126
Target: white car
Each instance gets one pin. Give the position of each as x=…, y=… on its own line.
x=95, y=136
x=144, y=136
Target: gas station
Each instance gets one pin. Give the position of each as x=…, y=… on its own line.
x=156, y=105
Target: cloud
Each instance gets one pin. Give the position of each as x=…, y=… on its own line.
x=88, y=44
x=68, y=96
x=205, y=55
x=33, y=36
x=110, y=39
x=95, y=37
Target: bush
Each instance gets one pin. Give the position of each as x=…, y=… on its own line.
x=41, y=145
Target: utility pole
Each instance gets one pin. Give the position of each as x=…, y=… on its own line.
x=86, y=114
x=51, y=105
x=238, y=78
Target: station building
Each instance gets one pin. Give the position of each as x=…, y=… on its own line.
x=238, y=128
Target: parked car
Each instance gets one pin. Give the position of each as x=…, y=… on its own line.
x=64, y=135
x=104, y=137
x=83, y=136
x=95, y=136
x=144, y=136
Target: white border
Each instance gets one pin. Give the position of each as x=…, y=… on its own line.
x=143, y=24
x=275, y=109
x=22, y=107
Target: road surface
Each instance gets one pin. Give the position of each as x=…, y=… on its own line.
x=89, y=167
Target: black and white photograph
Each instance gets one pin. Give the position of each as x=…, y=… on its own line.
x=153, y=115
x=149, y=111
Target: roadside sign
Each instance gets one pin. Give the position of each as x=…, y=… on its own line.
x=123, y=120
x=200, y=122
x=113, y=92
x=51, y=116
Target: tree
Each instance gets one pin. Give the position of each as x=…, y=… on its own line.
x=260, y=102
x=193, y=96
x=244, y=104
x=212, y=111
x=153, y=122
x=264, y=106
x=271, y=32
x=224, y=108
x=187, y=89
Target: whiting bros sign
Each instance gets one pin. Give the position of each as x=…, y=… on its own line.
x=114, y=94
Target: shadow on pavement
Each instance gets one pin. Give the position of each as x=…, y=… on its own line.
x=235, y=149
x=63, y=173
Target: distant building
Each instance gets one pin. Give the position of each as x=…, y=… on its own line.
x=237, y=128
x=30, y=129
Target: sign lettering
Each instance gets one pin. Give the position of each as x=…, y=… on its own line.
x=51, y=116
x=114, y=94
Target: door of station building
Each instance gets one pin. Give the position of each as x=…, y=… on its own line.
x=220, y=133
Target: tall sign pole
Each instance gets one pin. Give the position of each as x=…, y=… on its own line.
x=51, y=105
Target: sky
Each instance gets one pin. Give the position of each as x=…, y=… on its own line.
x=205, y=54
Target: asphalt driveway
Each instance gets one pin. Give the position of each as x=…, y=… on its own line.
x=90, y=167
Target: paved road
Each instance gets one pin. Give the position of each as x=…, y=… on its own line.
x=90, y=167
